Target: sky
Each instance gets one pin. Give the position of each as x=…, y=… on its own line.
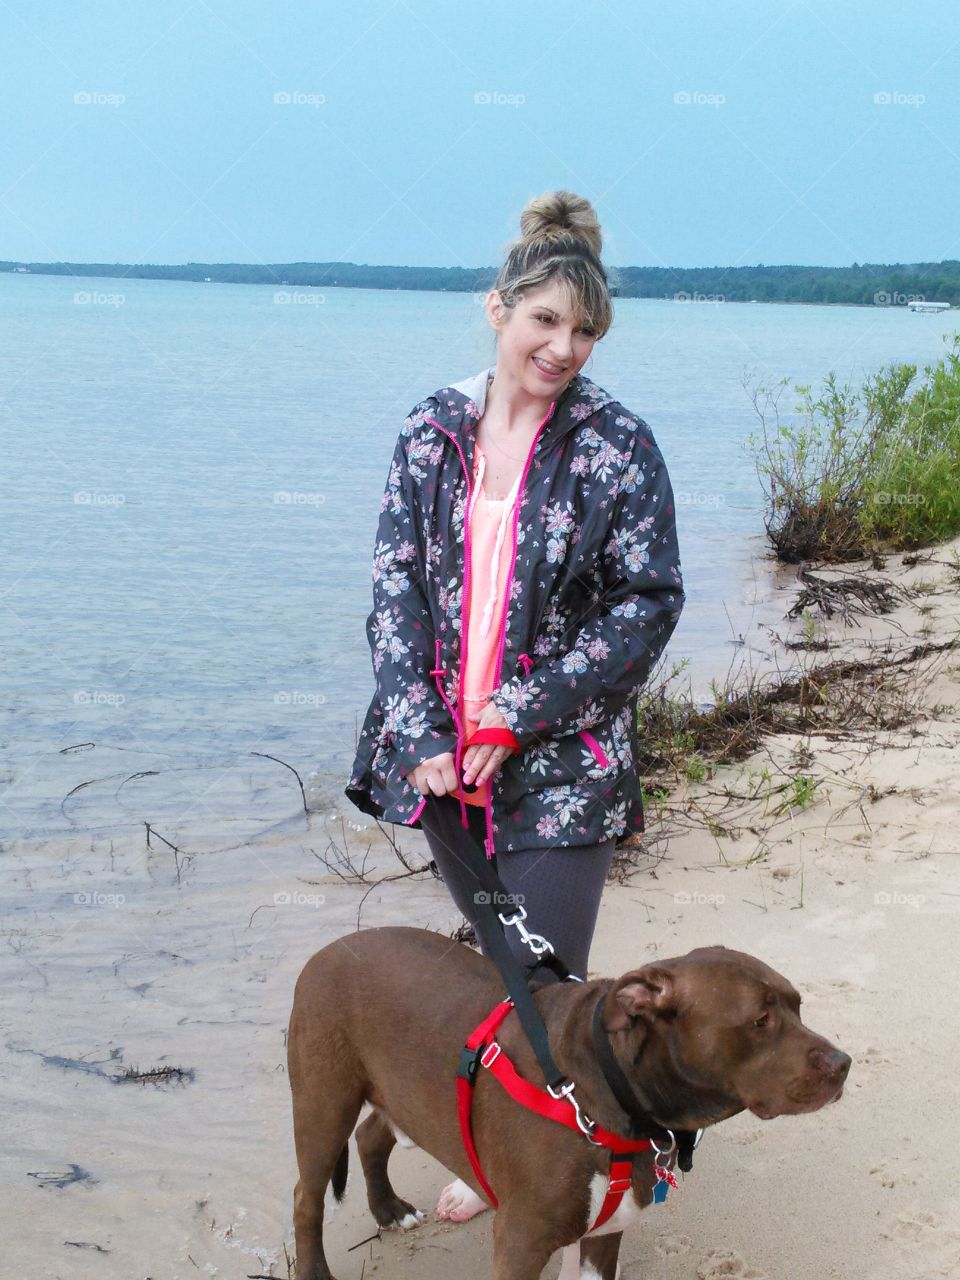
x=412, y=132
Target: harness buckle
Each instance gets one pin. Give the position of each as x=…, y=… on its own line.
x=484, y=1061
x=468, y=1066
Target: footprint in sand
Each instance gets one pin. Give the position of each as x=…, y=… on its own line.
x=670, y=1246
x=871, y=1057
x=723, y=1262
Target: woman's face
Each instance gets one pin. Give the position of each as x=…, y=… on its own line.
x=542, y=343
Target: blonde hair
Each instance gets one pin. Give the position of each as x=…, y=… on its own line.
x=560, y=240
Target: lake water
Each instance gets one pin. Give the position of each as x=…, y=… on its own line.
x=191, y=480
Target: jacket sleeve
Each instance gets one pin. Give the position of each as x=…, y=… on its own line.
x=400, y=629
x=612, y=655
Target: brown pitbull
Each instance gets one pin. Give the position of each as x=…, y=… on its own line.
x=381, y=1016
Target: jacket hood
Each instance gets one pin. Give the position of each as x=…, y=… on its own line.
x=460, y=407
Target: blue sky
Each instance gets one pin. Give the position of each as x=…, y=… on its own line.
x=413, y=131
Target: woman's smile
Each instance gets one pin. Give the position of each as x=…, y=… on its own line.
x=547, y=369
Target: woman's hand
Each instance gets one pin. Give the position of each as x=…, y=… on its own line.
x=481, y=762
x=436, y=776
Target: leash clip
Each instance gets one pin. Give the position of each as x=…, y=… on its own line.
x=535, y=941
x=586, y=1126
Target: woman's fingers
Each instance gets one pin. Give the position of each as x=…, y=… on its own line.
x=492, y=764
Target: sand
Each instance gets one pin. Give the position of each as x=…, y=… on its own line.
x=110, y=962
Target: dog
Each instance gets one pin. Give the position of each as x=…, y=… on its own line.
x=381, y=1017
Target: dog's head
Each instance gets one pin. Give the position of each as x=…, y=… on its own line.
x=716, y=1031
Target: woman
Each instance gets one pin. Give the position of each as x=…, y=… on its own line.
x=526, y=580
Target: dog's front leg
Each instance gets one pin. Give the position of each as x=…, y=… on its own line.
x=602, y=1253
x=521, y=1248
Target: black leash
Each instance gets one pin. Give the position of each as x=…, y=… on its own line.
x=490, y=924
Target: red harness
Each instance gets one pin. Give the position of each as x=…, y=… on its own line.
x=482, y=1050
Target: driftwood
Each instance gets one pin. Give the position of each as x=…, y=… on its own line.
x=846, y=597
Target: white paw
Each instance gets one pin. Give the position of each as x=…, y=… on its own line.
x=410, y=1220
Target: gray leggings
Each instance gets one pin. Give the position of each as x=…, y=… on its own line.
x=559, y=888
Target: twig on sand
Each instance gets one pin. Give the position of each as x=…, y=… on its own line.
x=277, y=760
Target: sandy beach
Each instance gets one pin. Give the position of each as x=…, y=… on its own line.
x=121, y=956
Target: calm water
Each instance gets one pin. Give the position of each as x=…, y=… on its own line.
x=191, y=480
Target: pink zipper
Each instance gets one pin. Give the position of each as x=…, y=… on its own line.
x=488, y=843
x=464, y=618
x=598, y=752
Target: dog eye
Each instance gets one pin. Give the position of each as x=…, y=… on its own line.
x=762, y=1021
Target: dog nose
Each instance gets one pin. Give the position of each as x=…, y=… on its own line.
x=833, y=1063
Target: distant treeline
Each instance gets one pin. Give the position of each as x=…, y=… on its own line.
x=870, y=284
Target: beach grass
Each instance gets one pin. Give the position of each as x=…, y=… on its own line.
x=852, y=472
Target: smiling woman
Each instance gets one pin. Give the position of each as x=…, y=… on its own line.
x=526, y=580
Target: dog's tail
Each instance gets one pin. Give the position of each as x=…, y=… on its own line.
x=339, y=1181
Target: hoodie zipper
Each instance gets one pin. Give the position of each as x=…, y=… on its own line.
x=465, y=610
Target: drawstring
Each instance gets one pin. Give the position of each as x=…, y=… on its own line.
x=526, y=662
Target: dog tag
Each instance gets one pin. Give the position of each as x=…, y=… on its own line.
x=665, y=1179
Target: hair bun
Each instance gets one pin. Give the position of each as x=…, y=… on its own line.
x=558, y=214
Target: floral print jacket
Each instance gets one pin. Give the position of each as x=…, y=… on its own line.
x=595, y=594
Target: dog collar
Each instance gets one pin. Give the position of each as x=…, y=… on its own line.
x=642, y=1124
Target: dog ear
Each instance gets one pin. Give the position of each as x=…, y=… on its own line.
x=647, y=990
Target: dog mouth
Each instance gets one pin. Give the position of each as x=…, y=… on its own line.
x=764, y=1111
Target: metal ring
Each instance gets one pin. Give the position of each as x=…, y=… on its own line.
x=669, y=1150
